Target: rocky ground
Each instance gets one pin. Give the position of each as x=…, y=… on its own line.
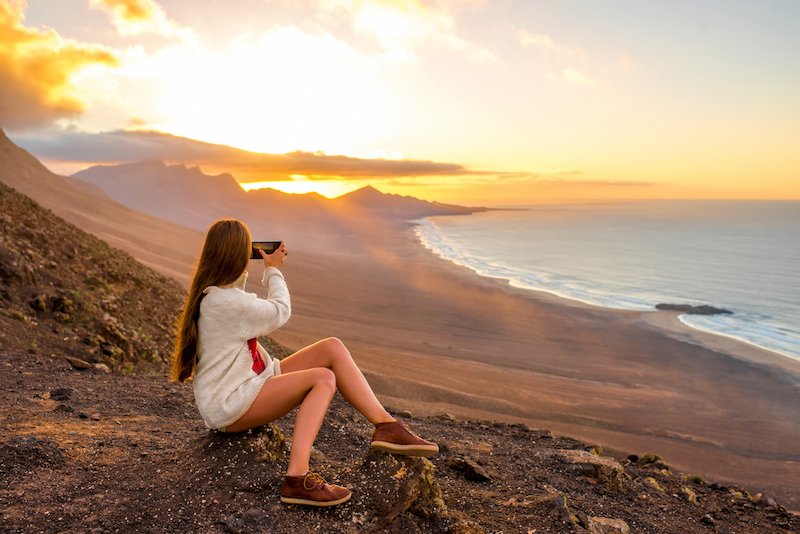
x=94, y=438
x=85, y=450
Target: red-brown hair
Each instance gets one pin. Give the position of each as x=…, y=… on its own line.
x=224, y=258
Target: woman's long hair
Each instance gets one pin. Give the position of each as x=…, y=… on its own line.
x=224, y=258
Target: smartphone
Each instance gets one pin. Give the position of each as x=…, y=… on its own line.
x=267, y=246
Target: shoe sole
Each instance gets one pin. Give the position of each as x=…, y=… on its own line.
x=308, y=502
x=425, y=451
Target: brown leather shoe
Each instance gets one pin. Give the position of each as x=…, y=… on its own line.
x=311, y=489
x=395, y=438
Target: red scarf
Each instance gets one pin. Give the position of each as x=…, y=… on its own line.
x=258, y=362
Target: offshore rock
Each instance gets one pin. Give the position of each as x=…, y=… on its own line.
x=702, y=309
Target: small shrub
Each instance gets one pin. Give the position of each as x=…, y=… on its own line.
x=696, y=479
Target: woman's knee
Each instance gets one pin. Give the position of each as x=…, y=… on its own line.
x=333, y=343
x=324, y=378
x=336, y=348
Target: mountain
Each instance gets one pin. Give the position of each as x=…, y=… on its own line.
x=187, y=196
x=399, y=207
x=168, y=247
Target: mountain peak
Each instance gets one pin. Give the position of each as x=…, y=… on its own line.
x=367, y=191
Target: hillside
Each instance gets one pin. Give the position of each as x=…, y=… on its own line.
x=167, y=247
x=187, y=196
x=84, y=449
x=67, y=293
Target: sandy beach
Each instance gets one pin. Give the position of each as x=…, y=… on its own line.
x=435, y=337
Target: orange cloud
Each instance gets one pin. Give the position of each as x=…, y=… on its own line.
x=36, y=71
x=132, y=17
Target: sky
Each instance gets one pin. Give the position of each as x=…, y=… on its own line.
x=466, y=101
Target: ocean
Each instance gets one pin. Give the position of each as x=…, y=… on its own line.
x=743, y=256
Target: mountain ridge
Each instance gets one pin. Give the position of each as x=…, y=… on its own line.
x=130, y=183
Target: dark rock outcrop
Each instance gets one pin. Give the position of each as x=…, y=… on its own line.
x=690, y=309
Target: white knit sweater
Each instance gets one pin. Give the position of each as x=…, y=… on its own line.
x=225, y=384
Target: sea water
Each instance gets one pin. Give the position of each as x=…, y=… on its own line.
x=743, y=256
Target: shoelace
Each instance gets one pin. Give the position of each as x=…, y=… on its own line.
x=316, y=480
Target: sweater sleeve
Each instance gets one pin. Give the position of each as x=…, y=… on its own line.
x=262, y=316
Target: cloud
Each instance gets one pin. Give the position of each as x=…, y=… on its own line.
x=576, y=77
x=401, y=26
x=37, y=68
x=135, y=17
x=544, y=41
x=561, y=58
x=134, y=146
x=549, y=45
x=130, y=146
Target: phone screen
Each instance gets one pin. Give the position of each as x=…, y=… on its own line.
x=267, y=246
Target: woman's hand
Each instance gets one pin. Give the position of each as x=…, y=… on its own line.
x=276, y=258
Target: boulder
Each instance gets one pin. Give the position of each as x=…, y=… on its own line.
x=469, y=468
x=77, y=363
x=607, y=525
x=602, y=469
x=403, y=493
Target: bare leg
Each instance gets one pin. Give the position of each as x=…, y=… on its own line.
x=332, y=353
x=313, y=389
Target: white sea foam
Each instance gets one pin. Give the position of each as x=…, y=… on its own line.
x=738, y=256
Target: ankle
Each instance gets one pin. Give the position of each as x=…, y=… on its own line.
x=296, y=472
x=387, y=419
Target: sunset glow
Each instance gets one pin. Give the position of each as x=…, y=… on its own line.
x=534, y=102
x=326, y=188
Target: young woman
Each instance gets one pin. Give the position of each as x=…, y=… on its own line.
x=238, y=386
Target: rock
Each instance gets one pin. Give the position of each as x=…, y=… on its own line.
x=60, y=394
x=708, y=520
x=552, y=506
x=691, y=496
x=603, y=469
x=39, y=303
x=403, y=486
x=703, y=309
x=103, y=368
x=268, y=442
x=650, y=459
x=77, y=363
x=9, y=267
x=63, y=407
x=611, y=526
x=755, y=499
x=654, y=483
x=62, y=304
x=469, y=468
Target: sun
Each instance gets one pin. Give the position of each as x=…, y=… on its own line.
x=281, y=91
x=301, y=185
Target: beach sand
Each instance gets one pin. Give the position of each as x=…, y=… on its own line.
x=434, y=337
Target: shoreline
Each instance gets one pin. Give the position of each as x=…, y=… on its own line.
x=669, y=321
x=433, y=337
